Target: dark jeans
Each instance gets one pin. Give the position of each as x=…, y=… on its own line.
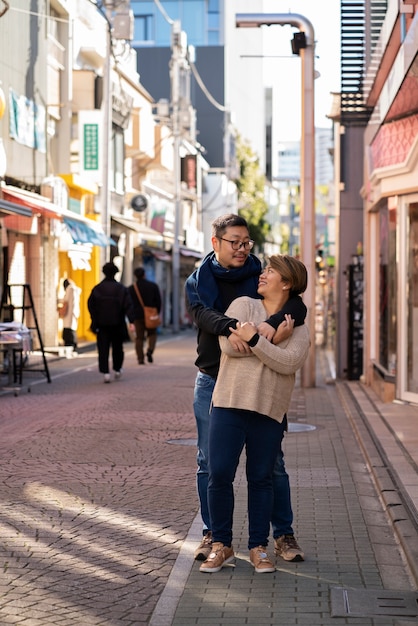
x=110, y=337
x=282, y=514
x=142, y=333
x=229, y=431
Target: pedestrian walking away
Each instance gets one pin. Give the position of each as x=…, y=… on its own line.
x=149, y=292
x=250, y=399
x=228, y=272
x=110, y=306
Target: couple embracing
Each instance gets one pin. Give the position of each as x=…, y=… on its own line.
x=251, y=341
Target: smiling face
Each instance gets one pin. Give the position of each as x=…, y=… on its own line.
x=225, y=254
x=271, y=283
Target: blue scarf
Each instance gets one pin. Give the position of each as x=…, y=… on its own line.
x=202, y=287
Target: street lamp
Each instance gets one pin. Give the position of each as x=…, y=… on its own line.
x=306, y=51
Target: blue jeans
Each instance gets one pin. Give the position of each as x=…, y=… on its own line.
x=282, y=515
x=229, y=431
x=203, y=390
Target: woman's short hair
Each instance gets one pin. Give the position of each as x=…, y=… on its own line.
x=291, y=270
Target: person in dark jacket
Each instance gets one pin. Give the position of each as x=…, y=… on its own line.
x=151, y=296
x=109, y=304
x=226, y=273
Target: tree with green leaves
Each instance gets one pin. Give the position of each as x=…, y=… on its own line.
x=251, y=199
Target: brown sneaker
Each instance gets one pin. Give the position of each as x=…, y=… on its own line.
x=205, y=548
x=221, y=555
x=259, y=558
x=288, y=548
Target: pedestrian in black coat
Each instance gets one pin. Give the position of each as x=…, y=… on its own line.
x=150, y=294
x=109, y=305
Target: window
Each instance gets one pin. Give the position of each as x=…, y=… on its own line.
x=117, y=160
x=387, y=290
x=144, y=28
x=213, y=23
x=412, y=278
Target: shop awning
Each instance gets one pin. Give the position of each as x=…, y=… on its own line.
x=191, y=253
x=83, y=232
x=31, y=201
x=9, y=208
x=81, y=229
x=145, y=232
x=161, y=255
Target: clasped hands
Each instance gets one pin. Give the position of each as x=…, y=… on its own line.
x=244, y=331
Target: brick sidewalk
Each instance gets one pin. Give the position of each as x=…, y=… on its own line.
x=95, y=502
x=99, y=515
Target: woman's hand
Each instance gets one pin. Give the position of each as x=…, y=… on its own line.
x=284, y=330
x=265, y=330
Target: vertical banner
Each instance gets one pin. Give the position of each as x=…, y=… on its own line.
x=89, y=134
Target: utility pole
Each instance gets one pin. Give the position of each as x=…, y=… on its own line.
x=177, y=64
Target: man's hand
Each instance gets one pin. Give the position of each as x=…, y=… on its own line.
x=265, y=330
x=238, y=344
x=244, y=330
x=284, y=330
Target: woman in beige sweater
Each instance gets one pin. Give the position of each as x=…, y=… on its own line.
x=251, y=396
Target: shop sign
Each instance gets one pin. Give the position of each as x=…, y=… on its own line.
x=27, y=122
x=90, y=141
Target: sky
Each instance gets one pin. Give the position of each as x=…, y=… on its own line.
x=283, y=66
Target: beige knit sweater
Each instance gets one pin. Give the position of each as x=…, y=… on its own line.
x=262, y=381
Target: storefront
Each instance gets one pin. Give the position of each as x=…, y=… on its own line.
x=46, y=246
x=391, y=262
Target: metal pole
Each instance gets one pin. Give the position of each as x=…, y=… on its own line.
x=175, y=97
x=107, y=133
x=308, y=201
x=255, y=20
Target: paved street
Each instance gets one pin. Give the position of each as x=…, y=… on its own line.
x=95, y=502
x=99, y=514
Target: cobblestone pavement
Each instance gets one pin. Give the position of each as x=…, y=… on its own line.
x=95, y=503
x=99, y=514
x=339, y=522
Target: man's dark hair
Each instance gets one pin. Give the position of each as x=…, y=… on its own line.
x=139, y=272
x=110, y=270
x=223, y=222
x=65, y=283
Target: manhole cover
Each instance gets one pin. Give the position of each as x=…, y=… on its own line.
x=183, y=442
x=370, y=602
x=300, y=428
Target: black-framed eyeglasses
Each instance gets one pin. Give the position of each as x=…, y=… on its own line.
x=237, y=245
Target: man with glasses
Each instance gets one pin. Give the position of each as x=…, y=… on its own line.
x=228, y=272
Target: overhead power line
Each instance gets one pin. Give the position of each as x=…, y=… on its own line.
x=203, y=87
x=196, y=74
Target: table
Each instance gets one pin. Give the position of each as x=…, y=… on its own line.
x=10, y=346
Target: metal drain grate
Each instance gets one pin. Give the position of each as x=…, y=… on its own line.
x=373, y=602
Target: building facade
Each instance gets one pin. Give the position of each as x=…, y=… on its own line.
x=83, y=158
x=376, y=139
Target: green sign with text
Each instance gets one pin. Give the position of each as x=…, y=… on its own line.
x=91, y=146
